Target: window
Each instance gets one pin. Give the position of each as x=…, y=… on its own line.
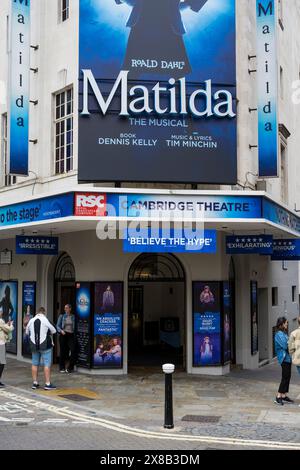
x=64, y=9
x=8, y=180
x=64, y=131
x=294, y=292
x=274, y=296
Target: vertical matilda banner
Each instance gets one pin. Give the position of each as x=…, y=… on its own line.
x=19, y=87
x=157, y=91
x=267, y=76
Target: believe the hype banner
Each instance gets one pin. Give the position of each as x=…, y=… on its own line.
x=157, y=91
x=267, y=87
x=18, y=123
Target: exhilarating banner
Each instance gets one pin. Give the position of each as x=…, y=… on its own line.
x=150, y=240
x=254, y=317
x=207, y=324
x=108, y=325
x=267, y=76
x=83, y=323
x=18, y=128
x=286, y=250
x=28, y=312
x=36, y=245
x=249, y=244
x=157, y=91
x=9, y=307
x=34, y=211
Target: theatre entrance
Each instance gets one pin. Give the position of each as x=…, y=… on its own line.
x=64, y=292
x=156, y=312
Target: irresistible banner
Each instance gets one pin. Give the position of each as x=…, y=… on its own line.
x=18, y=128
x=28, y=312
x=267, y=77
x=207, y=324
x=249, y=244
x=108, y=325
x=157, y=91
x=254, y=317
x=9, y=309
x=286, y=250
x=36, y=245
x=83, y=323
x=150, y=240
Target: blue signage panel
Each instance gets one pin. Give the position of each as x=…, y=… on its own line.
x=157, y=91
x=54, y=207
x=83, y=323
x=108, y=325
x=18, y=126
x=36, y=245
x=279, y=215
x=206, y=324
x=249, y=244
x=267, y=87
x=288, y=249
x=183, y=207
x=28, y=312
x=170, y=241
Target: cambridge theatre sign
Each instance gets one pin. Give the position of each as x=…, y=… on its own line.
x=157, y=91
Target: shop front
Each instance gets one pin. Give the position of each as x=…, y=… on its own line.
x=141, y=306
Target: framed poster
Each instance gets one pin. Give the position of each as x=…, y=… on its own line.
x=254, y=317
x=28, y=312
x=9, y=307
x=108, y=325
x=227, y=321
x=83, y=323
x=206, y=324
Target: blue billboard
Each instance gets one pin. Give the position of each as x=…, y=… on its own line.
x=53, y=207
x=157, y=91
x=18, y=126
x=286, y=250
x=150, y=240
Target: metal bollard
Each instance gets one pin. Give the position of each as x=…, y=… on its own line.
x=168, y=370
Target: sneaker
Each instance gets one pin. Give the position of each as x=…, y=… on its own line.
x=288, y=400
x=49, y=387
x=69, y=371
x=278, y=401
x=35, y=385
x=62, y=371
x=2, y=385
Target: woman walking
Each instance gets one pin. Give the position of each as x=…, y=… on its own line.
x=5, y=329
x=284, y=359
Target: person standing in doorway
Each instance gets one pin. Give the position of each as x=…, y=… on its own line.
x=66, y=329
x=40, y=332
x=284, y=359
x=5, y=331
x=294, y=346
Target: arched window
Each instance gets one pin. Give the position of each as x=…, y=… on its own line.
x=156, y=267
x=65, y=270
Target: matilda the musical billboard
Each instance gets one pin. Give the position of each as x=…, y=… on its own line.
x=157, y=91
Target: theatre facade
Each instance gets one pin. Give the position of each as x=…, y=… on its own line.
x=201, y=297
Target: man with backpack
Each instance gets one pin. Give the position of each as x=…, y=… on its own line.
x=40, y=332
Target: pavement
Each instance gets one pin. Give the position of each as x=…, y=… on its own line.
x=127, y=412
